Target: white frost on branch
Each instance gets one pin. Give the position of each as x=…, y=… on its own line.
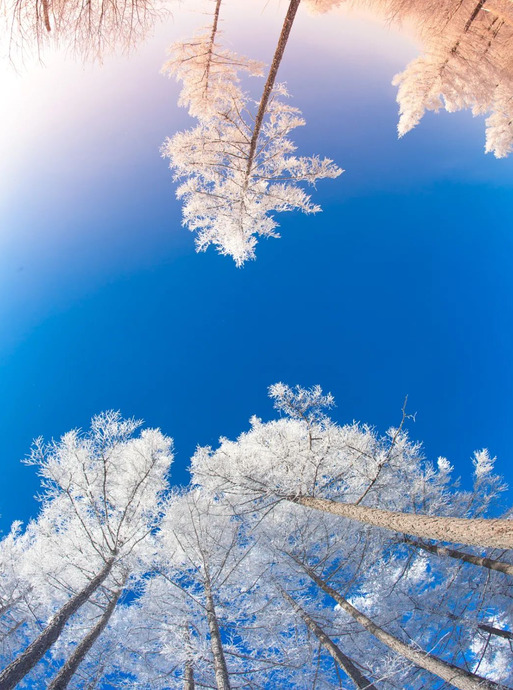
x=228, y=198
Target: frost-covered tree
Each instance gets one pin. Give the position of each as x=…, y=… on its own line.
x=237, y=165
x=209, y=73
x=467, y=65
x=226, y=204
x=413, y=603
x=349, y=471
x=465, y=61
x=235, y=583
x=89, y=29
x=102, y=502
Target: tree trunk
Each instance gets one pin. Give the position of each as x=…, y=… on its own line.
x=476, y=532
x=345, y=663
x=188, y=678
x=46, y=15
x=220, y=668
x=489, y=563
x=26, y=661
x=474, y=14
x=211, y=45
x=269, y=84
x=492, y=630
x=62, y=679
x=459, y=678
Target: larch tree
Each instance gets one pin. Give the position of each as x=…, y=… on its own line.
x=418, y=603
x=465, y=61
x=208, y=72
x=206, y=553
x=465, y=65
x=348, y=471
x=237, y=165
x=102, y=501
x=89, y=30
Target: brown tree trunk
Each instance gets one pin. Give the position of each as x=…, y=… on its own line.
x=345, y=663
x=46, y=15
x=459, y=678
x=476, y=532
x=188, y=677
x=269, y=84
x=26, y=661
x=220, y=668
x=211, y=44
x=489, y=563
x=62, y=679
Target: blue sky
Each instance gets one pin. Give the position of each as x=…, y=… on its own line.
x=403, y=285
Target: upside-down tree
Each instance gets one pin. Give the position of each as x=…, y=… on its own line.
x=465, y=62
x=89, y=30
x=237, y=165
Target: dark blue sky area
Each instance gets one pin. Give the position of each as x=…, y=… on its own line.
x=403, y=285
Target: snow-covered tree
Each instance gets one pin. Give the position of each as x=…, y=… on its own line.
x=209, y=73
x=237, y=165
x=234, y=582
x=102, y=502
x=465, y=61
x=89, y=29
x=349, y=471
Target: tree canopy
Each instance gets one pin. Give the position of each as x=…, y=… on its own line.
x=270, y=570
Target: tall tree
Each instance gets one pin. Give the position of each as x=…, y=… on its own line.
x=103, y=497
x=236, y=163
x=345, y=663
x=89, y=29
x=209, y=73
x=71, y=665
x=351, y=472
x=459, y=678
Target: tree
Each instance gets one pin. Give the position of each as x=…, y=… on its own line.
x=423, y=604
x=102, y=501
x=236, y=164
x=89, y=29
x=208, y=72
x=465, y=61
x=350, y=472
x=457, y=677
x=345, y=663
x=464, y=66
x=70, y=667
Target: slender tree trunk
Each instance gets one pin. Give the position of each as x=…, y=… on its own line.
x=459, y=678
x=271, y=78
x=476, y=532
x=62, y=679
x=474, y=14
x=26, y=661
x=220, y=668
x=496, y=631
x=345, y=663
x=489, y=563
x=46, y=15
x=211, y=45
x=188, y=677
x=188, y=672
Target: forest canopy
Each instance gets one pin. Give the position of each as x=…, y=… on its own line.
x=304, y=552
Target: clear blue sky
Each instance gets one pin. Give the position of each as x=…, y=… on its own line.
x=403, y=285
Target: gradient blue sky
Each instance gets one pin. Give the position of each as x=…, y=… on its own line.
x=403, y=285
